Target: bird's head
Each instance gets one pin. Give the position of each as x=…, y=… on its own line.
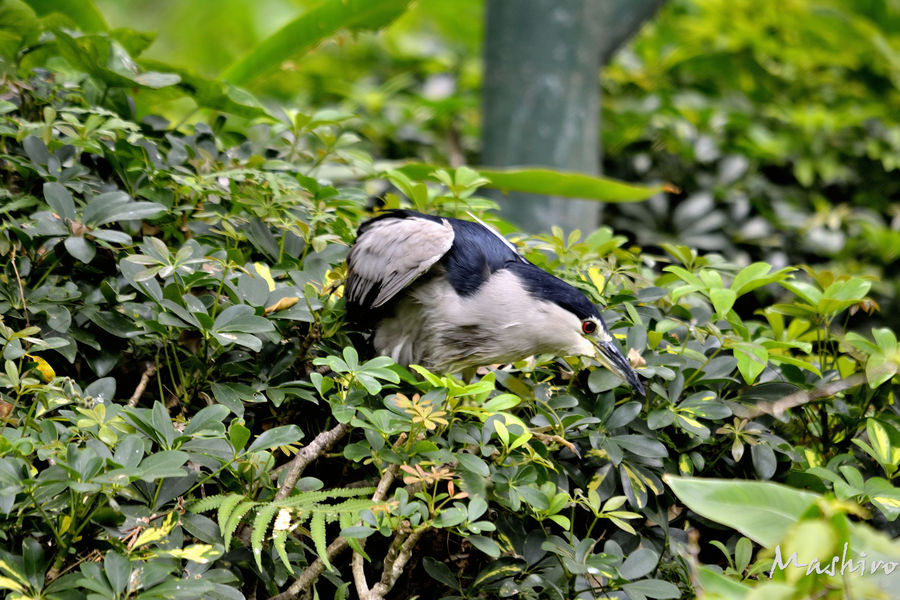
x=575, y=326
x=606, y=351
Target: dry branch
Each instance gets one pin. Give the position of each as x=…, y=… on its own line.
x=142, y=385
x=319, y=446
x=778, y=407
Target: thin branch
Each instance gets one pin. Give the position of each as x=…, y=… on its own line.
x=778, y=407
x=317, y=567
x=142, y=385
x=357, y=566
x=319, y=446
x=19, y=281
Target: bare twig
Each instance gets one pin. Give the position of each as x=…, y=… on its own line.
x=12, y=261
x=142, y=385
x=778, y=407
x=317, y=567
x=394, y=563
x=548, y=439
x=319, y=446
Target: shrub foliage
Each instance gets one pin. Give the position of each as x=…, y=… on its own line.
x=183, y=412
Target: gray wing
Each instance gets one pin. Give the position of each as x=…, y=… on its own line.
x=390, y=254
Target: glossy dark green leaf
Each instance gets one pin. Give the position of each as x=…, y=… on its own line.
x=81, y=249
x=277, y=436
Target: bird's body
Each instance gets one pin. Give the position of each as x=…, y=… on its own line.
x=450, y=294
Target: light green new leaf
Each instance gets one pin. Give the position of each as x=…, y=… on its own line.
x=83, y=12
x=315, y=25
x=536, y=180
x=751, y=359
x=722, y=300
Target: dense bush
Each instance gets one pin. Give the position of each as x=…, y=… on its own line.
x=185, y=414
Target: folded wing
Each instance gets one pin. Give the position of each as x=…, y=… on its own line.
x=390, y=253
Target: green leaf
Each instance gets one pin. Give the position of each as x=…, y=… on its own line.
x=757, y=275
x=238, y=435
x=81, y=249
x=751, y=360
x=722, y=300
x=652, y=588
x=277, y=436
x=111, y=207
x=33, y=562
x=807, y=291
x=60, y=200
x=743, y=551
x=717, y=585
x=486, y=545
x=843, y=294
x=118, y=571
x=163, y=464
x=240, y=318
x=18, y=23
x=549, y=182
x=318, y=23
x=639, y=563
x=208, y=419
x=450, y=516
x=760, y=510
x=211, y=93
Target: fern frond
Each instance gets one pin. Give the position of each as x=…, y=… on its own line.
x=225, y=509
x=208, y=503
x=352, y=506
x=306, y=498
x=264, y=516
x=317, y=532
x=234, y=519
x=279, y=537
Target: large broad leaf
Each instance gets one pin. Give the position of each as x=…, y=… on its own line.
x=539, y=180
x=207, y=93
x=82, y=12
x=107, y=60
x=761, y=510
x=307, y=30
x=18, y=23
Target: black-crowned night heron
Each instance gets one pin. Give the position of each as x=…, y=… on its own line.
x=450, y=294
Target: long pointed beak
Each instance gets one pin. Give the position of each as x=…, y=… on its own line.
x=609, y=355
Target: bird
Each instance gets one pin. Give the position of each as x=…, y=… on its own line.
x=450, y=294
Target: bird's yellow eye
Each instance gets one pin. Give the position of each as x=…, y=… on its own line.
x=588, y=326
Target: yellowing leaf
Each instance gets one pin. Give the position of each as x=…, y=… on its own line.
x=43, y=368
x=597, y=279
x=8, y=584
x=263, y=271
x=198, y=553
x=282, y=304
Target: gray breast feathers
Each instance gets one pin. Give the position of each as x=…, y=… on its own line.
x=390, y=254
